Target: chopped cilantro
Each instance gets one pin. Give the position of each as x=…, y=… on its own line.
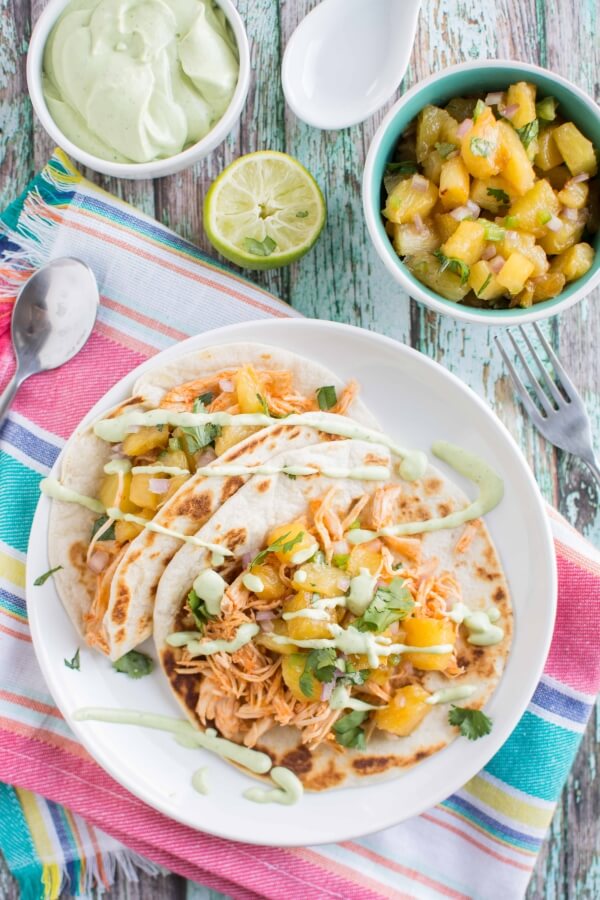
x=302, y=214
x=479, y=108
x=279, y=544
x=529, y=132
x=546, y=109
x=493, y=232
x=455, y=265
x=544, y=216
x=340, y=560
x=348, y=732
x=73, y=663
x=510, y=222
x=42, y=579
x=109, y=534
x=206, y=398
x=134, y=664
x=326, y=396
x=390, y=604
x=198, y=610
x=484, y=285
x=480, y=147
x=401, y=168
x=473, y=723
x=499, y=195
x=198, y=437
x=291, y=475
x=263, y=404
x=445, y=149
x=319, y=664
x=260, y=248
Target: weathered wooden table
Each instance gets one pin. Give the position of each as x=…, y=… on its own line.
x=342, y=279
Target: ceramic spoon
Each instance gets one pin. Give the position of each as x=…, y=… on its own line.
x=346, y=59
x=52, y=318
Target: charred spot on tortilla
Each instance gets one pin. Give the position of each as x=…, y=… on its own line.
x=118, y=410
x=371, y=459
x=121, y=605
x=444, y=509
x=298, y=760
x=366, y=765
x=324, y=779
x=231, y=486
x=485, y=574
x=198, y=506
x=188, y=689
x=234, y=538
x=433, y=486
x=499, y=596
x=262, y=486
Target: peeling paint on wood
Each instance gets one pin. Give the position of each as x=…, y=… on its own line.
x=342, y=279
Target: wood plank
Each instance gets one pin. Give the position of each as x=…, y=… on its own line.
x=16, y=159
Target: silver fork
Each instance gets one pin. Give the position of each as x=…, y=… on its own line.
x=561, y=416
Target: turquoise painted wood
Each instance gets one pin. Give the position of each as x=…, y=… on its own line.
x=342, y=279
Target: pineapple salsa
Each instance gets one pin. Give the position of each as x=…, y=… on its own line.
x=490, y=200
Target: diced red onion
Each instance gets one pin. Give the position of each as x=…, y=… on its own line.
x=510, y=235
x=265, y=615
x=98, y=561
x=475, y=209
x=343, y=583
x=509, y=111
x=115, y=451
x=206, y=457
x=394, y=627
x=576, y=179
x=419, y=183
x=554, y=224
x=418, y=223
x=267, y=626
x=327, y=690
x=489, y=252
x=496, y=263
x=464, y=127
x=460, y=213
x=226, y=385
x=494, y=98
x=340, y=547
x=571, y=214
x=159, y=485
x=246, y=560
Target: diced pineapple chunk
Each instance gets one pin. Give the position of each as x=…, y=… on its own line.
x=292, y=669
x=522, y=94
x=248, y=390
x=467, y=242
x=109, y=490
x=524, y=298
x=231, y=435
x=483, y=282
x=576, y=150
x=547, y=286
x=321, y=578
x=515, y=272
x=574, y=194
x=548, y=155
x=481, y=146
x=405, y=201
x=429, y=127
x=405, y=711
x=292, y=533
x=432, y=167
x=364, y=556
x=127, y=531
x=574, y=262
x=409, y=239
x=533, y=210
x=273, y=587
x=493, y=194
x=303, y=628
x=515, y=164
x=173, y=458
x=446, y=225
x=175, y=482
x=265, y=639
x=515, y=240
x=454, y=183
x=428, y=269
x=556, y=241
x=428, y=633
x=141, y=494
x=145, y=439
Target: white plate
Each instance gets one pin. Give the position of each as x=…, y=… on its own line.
x=400, y=386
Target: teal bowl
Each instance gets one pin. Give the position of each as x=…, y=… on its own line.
x=468, y=79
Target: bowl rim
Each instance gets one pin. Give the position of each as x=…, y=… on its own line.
x=154, y=168
x=393, y=263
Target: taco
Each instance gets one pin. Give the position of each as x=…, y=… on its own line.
x=111, y=567
x=330, y=639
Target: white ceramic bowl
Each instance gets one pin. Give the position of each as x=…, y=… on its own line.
x=469, y=79
x=156, y=168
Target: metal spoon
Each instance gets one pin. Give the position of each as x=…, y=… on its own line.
x=52, y=318
x=346, y=58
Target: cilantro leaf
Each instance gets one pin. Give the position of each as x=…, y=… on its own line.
x=546, y=109
x=198, y=610
x=355, y=676
x=42, y=579
x=348, y=732
x=401, y=168
x=473, y=723
x=199, y=436
x=340, y=560
x=279, y=544
x=206, y=398
x=73, y=663
x=480, y=147
x=499, y=195
x=326, y=396
x=493, y=232
x=134, y=664
x=529, y=132
x=263, y=404
x=390, y=604
x=319, y=664
x=260, y=248
x=109, y=534
x=480, y=291
x=445, y=149
x=454, y=264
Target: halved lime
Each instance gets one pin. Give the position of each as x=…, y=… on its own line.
x=264, y=210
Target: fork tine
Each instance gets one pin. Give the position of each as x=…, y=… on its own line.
x=538, y=389
x=569, y=387
x=556, y=394
x=526, y=400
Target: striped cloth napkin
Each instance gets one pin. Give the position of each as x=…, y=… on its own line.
x=157, y=289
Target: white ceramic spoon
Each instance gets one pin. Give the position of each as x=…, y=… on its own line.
x=346, y=58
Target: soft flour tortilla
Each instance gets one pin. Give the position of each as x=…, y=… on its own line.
x=265, y=502
x=128, y=620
